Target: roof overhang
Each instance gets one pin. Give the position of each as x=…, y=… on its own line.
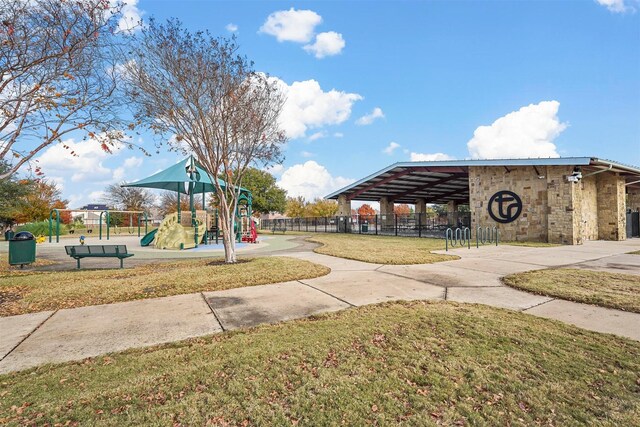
x=448, y=180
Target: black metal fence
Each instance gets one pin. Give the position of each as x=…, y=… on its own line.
x=412, y=225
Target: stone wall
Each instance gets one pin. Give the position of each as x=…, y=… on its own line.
x=484, y=182
x=554, y=209
x=612, y=219
x=589, y=208
x=564, y=201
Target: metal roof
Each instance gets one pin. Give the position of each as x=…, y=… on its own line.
x=448, y=180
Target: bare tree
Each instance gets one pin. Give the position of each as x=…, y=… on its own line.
x=57, y=75
x=198, y=88
x=128, y=198
x=169, y=203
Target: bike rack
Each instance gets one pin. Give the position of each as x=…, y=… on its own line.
x=458, y=237
x=487, y=235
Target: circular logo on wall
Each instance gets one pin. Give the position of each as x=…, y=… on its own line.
x=505, y=206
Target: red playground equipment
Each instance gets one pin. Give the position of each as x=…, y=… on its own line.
x=252, y=235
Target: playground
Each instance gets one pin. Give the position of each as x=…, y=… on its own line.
x=125, y=233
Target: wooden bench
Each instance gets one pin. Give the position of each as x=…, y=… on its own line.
x=78, y=252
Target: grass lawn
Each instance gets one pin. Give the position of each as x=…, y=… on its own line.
x=381, y=249
x=395, y=363
x=27, y=292
x=613, y=290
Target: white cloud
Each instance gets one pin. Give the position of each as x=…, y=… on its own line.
x=309, y=107
x=528, y=132
x=97, y=196
x=616, y=6
x=391, y=148
x=425, y=157
x=310, y=180
x=82, y=160
x=318, y=135
x=133, y=162
x=338, y=135
x=291, y=25
x=276, y=169
x=367, y=119
x=232, y=28
x=326, y=44
x=131, y=15
x=306, y=154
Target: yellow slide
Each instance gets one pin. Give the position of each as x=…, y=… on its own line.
x=172, y=235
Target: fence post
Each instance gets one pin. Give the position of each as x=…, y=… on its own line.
x=395, y=217
x=376, y=217
x=419, y=225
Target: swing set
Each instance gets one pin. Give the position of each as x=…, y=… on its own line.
x=54, y=215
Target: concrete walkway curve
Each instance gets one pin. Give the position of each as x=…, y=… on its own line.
x=74, y=334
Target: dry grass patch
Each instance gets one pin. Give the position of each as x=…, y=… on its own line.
x=5, y=268
x=634, y=253
x=27, y=292
x=612, y=290
x=391, y=364
x=381, y=249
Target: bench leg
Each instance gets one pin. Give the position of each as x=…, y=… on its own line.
x=78, y=259
x=121, y=260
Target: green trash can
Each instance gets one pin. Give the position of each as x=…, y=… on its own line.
x=365, y=227
x=22, y=249
x=8, y=235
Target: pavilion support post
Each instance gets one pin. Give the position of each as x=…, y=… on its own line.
x=420, y=212
x=386, y=214
x=344, y=212
x=452, y=212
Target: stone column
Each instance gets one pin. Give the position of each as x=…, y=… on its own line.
x=344, y=206
x=344, y=212
x=452, y=206
x=386, y=213
x=421, y=206
x=564, y=213
x=612, y=218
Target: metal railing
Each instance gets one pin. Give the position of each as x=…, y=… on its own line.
x=411, y=225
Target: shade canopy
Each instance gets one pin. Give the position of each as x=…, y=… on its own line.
x=186, y=177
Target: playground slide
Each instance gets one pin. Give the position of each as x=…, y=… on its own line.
x=148, y=238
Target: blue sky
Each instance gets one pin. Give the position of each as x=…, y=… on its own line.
x=370, y=83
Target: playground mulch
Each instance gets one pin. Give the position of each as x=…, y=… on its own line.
x=412, y=363
x=381, y=249
x=33, y=291
x=611, y=290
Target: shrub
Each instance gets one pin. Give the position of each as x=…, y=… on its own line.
x=41, y=228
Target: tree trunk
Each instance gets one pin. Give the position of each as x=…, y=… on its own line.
x=228, y=238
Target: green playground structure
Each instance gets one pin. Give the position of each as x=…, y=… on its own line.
x=148, y=238
x=106, y=217
x=188, y=229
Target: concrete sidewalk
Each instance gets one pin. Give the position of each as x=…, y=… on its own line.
x=74, y=334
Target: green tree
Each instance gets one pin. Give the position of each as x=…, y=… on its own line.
x=267, y=196
x=12, y=194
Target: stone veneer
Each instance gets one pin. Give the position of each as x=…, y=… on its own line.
x=612, y=219
x=554, y=210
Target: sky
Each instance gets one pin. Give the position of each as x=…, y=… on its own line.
x=371, y=83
